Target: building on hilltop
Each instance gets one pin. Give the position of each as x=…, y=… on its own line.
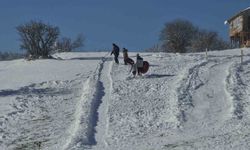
x=239, y=28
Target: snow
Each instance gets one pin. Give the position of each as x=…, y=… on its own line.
x=246, y=9
x=86, y=101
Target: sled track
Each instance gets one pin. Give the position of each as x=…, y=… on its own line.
x=87, y=112
x=96, y=101
x=184, y=92
x=107, y=103
x=193, y=82
x=238, y=93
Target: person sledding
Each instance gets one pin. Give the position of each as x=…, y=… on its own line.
x=140, y=67
x=115, y=51
x=126, y=59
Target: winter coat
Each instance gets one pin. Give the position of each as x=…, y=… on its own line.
x=139, y=62
x=125, y=54
x=115, y=50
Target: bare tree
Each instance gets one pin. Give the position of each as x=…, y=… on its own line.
x=220, y=44
x=37, y=38
x=79, y=42
x=207, y=40
x=66, y=45
x=203, y=40
x=177, y=35
x=182, y=36
x=155, y=48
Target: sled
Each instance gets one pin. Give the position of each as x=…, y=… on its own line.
x=143, y=70
x=145, y=67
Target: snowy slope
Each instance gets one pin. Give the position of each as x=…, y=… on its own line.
x=85, y=101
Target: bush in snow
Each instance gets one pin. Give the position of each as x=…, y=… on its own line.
x=37, y=38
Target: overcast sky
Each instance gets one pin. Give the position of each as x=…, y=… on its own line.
x=134, y=24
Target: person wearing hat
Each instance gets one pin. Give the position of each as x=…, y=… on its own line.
x=115, y=51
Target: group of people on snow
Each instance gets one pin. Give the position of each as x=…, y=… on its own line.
x=136, y=67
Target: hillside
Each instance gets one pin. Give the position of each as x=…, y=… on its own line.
x=85, y=101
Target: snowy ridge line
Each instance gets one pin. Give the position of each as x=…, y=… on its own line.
x=86, y=111
x=237, y=88
x=184, y=91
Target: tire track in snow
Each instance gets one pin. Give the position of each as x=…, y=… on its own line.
x=187, y=86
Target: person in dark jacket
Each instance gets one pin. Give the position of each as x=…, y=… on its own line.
x=139, y=64
x=115, y=51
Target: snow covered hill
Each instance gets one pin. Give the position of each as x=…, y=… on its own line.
x=85, y=101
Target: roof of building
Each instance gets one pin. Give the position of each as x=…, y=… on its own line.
x=241, y=12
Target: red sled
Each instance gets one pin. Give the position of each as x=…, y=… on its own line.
x=145, y=67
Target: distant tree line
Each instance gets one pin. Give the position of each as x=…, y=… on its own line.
x=10, y=56
x=40, y=40
x=182, y=36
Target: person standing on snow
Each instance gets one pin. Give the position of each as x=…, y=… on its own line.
x=126, y=59
x=139, y=64
x=115, y=51
x=125, y=55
